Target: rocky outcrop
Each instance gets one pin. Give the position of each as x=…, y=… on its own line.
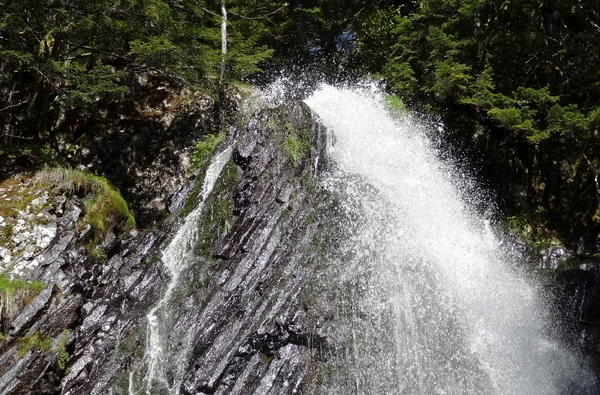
x=63, y=340
x=252, y=311
x=238, y=321
x=577, y=293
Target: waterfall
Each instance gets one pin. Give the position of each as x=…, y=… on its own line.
x=439, y=304
x=175, y=258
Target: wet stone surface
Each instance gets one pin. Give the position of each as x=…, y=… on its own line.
x=236, y=316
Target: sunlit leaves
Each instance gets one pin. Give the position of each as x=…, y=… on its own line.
x=451, y=79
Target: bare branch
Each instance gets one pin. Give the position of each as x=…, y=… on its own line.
x=13, y=106
x=8, y=135
x=265, y=16
x=93, y=49
x=9, y=99
x=210, y=12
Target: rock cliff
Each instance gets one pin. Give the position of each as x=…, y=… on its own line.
x=253, y=310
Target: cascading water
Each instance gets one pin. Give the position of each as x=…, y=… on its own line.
x=439, y=305
x=162, y=373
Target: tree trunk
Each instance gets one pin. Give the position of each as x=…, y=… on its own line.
x=223, y=64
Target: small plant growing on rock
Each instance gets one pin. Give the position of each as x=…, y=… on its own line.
x=293, y=148
x=36, y=341
x=95, y=252
x=14, y=295
x=204, y=149
x=62, y=356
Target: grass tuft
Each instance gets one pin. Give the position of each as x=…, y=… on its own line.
x=106, y=208
x=293, y=148
x=15, y=294
x=36, y=341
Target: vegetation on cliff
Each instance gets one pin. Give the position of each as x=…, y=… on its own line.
x=14, y=295
x=106, y=210
x=517, y=82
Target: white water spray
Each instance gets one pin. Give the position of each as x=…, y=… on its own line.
x=464, y=320
x=175, y=258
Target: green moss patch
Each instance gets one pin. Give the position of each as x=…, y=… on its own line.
x=15, y=194
x=106, y=208
x=37, y=341
x=203, y=149
x=15, y=294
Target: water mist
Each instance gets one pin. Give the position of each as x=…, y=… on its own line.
x=439, y=306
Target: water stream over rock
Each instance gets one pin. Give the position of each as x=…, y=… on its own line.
x=438, y=304
x=302, y=260
x=175, y=258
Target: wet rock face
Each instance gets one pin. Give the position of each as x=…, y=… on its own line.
x=253, y=311
x=236, y=323
x=578, y=295
x=63, y=340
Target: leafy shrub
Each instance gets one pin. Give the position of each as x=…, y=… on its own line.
x=532, y=228
x=204, y=149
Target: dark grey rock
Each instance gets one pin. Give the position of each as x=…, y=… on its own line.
x=553, y=256
x=31, y=311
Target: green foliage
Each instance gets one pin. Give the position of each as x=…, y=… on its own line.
x=98, y=253
x=480, y=92
x=293, y=148
x=15, y=293
x=87, y=85
x=451, y=79
x=62, y=356
x=203, y=149
x=9, y=288
x=510, y=117
x=34, y=342
x=401, y=77
x=513, y=65
x=395, y=106
x=567, y=120
x=68, y=54
x=106, y=208
x=61, y=361
x=532, y=227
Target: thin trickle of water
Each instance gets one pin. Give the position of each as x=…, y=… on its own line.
x=175, y=258
x=440, y=307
